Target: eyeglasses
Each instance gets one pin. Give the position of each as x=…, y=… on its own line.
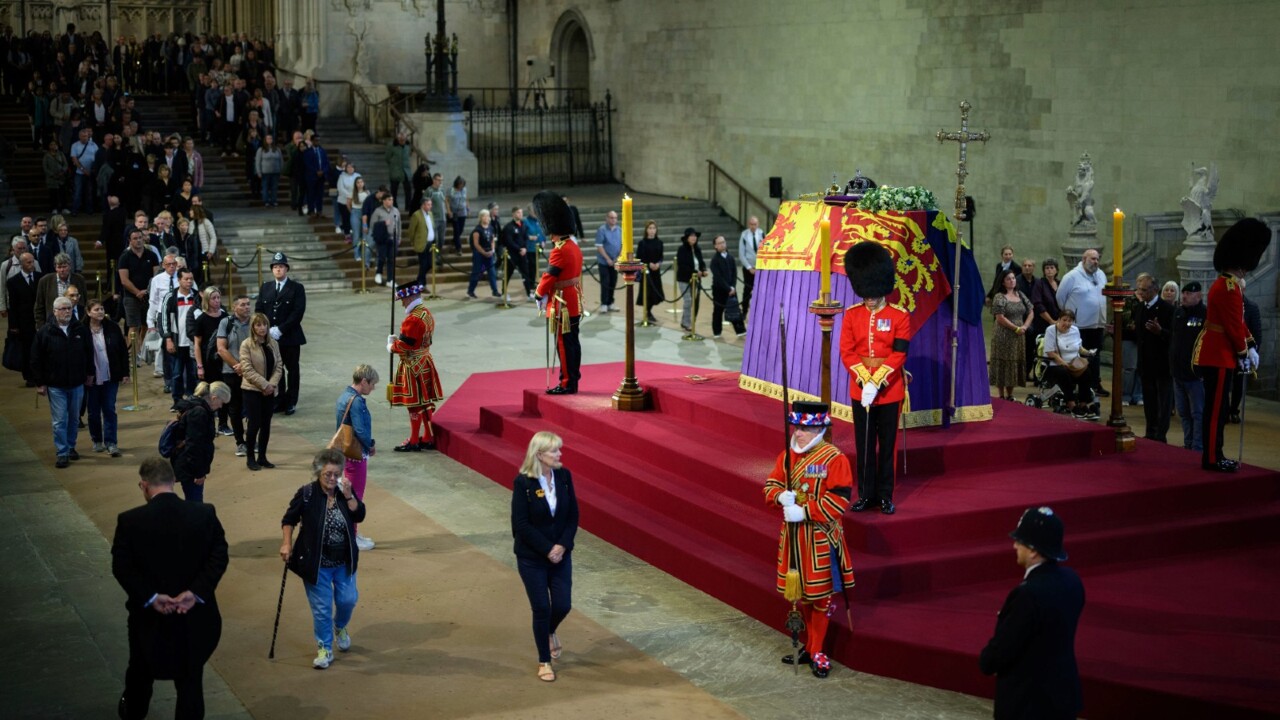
x=331, y=475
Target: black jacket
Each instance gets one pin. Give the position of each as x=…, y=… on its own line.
x=1032, y=653
x=62, y=360
x=535, y=530
x=284, y=309
x=1187, y=324
x=22, y=303
x=688, y=262
x=1153, y=348
x=308, y=507
x=514, y=237
x=724, y=274
x=195, y=457
x=169, y=546
x=117, y=351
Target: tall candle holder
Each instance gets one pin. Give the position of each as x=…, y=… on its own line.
x=1118, y=291
x=826, y=311
x=630, y=396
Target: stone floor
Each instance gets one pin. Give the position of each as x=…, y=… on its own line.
x=442, y=615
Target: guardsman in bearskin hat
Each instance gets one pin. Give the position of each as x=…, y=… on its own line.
x=417, y=384
x=811, y=548
x=873, y=346
x=559, y=291
x=1225, y=344
x=1033, y=651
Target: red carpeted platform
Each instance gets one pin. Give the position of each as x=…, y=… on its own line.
x=1179, y=565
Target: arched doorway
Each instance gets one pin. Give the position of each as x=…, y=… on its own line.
x=571, y=48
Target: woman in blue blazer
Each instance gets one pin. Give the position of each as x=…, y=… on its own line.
x=544, y=519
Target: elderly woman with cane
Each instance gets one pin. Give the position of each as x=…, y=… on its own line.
x=325, y=556
x=544, y=520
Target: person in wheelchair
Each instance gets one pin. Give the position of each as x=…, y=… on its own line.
x=1068, y=366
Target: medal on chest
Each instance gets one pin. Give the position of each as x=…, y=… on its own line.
x=883, y=325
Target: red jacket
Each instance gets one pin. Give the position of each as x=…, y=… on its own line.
x=1224, y=339
x=564, y=277
x=873, y=348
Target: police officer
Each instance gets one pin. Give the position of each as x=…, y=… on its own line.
x=284, y=302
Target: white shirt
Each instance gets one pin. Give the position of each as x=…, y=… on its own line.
x=1081, y=293
x=548, y=484
x=158, y=291
x=1066, y=344
x=186, y=303
x=748, y=244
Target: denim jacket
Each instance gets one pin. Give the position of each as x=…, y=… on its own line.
x=359, y=420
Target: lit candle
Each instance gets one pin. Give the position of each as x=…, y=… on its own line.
x=1117, y=242
x=626, y=227
x=825, y=249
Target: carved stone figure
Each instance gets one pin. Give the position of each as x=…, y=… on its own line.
x=1080, y=196
x=1197, y=206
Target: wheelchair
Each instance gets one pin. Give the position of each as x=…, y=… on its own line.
x=1048, y=394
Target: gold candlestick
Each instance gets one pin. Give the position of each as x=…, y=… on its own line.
x=629, y=395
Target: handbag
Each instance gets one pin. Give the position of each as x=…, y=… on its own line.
x=13, y=354
x=732, y=310
x=344, y=440
x=1077, y=366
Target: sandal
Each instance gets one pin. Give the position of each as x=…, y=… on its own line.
x=545, y=673
x=556, y=648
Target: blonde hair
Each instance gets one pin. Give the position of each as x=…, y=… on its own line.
x=206, y=294
x=544, y=441
x=258, y=319
x=217, y=388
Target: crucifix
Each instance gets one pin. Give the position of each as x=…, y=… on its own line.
x=964, y=137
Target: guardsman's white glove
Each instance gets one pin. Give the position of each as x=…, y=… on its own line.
x=869, y=392
x=793, y=513
x=787, y=499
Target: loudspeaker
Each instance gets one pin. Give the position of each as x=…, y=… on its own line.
x=775, y=187
x=969, y=208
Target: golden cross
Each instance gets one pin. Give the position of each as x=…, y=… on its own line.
x=964, y=137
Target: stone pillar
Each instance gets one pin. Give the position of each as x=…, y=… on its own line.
x=442, y=139
x=1195, y=262
x=1078, y=240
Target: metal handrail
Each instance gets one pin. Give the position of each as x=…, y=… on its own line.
x=746, y=199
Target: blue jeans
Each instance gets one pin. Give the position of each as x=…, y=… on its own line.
x=64, y=409
x=332, y=584
x=387, y=257
x=1188, y=398
x=181, y=372
x=367, y=254
x=82, y=193
x=102, y=411
x=191, y=492
x=270, y=188
x=481, y=266
x=550, y=589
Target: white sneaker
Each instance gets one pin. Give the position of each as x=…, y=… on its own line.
x=377, y=279
x=324, y=658
x=363, y=543
x=99, y=447
x=241, y=450
x=343, y=639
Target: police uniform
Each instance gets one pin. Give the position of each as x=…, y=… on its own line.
x=822, y=485
x=417, y=384
x=561, y=288
x=1225, y=342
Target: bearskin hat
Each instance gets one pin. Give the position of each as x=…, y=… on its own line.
x=553, y=213
x=1242, y=246
x=870, y=269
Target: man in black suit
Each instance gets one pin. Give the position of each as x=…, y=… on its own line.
x=1032, y=653
x=1153, y=322
x=724, y=282
x=21, y=290
x=168, y=555
x=284, y=302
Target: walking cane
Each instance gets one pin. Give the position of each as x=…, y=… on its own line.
x=271, y=654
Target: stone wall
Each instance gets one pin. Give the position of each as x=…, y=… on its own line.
x=798, y=91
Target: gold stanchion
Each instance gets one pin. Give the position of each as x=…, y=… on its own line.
x=435, y=253
x=97, y=279
x=629, y=395
x=133, y=361
x=226, y=278
x=506, y=278
x=259, y=256
x=694, y=287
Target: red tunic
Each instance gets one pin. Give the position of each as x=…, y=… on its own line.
x=564, y=277
x=823, y=484
x=1224, y=339
x=416, y=383
x=873, y=348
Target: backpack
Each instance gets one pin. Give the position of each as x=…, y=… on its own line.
x=173, y=437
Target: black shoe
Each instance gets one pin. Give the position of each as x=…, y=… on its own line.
x=1102, y=392
x=73, y=454
x=559, y=390
x=428, y=445
x=1222, y=466
x=407, y=446
x=62, y=462
x=292, y=409
x=252, y=465
x=1233, y=418
x=821, y=666
x=886, y=507
x=862, y=504
x=651, y=319
x=791, y=659
x=264, y=463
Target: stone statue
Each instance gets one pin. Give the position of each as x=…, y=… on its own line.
x=359, y=30
x=1080, y=196
x=1197, y=206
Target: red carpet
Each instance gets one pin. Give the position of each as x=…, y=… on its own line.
x=1179, y=565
